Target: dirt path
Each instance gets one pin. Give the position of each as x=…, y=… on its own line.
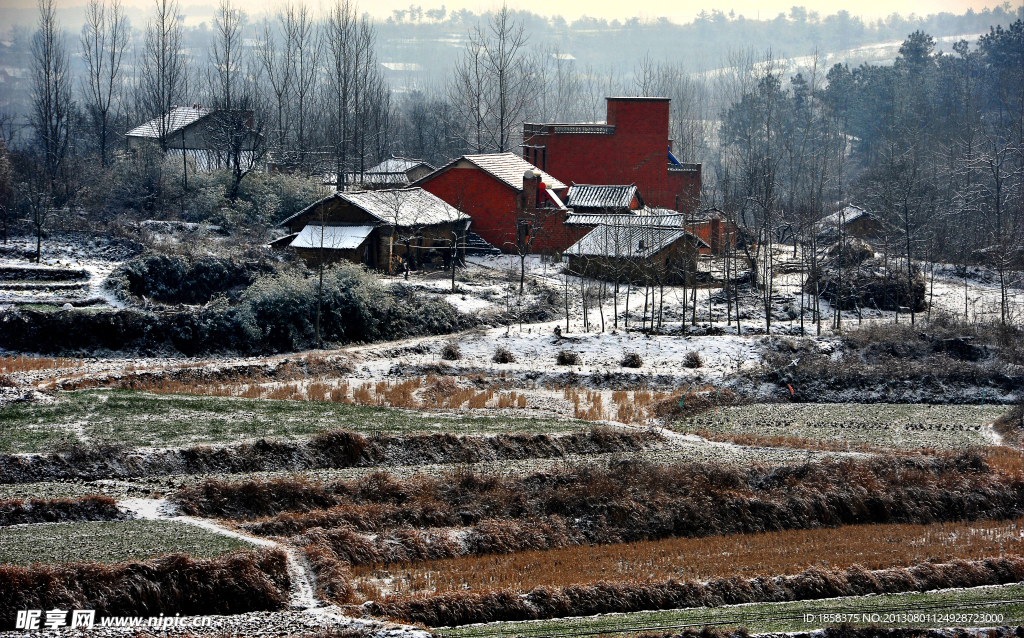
x=301, y=594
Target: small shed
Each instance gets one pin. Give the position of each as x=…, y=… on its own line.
x=636, y=250
x=396, y=172
x=854, y=222
x=387, y=229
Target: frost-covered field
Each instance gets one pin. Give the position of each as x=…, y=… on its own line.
x=896, y=426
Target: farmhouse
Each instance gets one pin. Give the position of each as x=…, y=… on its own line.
x=514, y=206
x=388, y=229
x=631, y=147
x=196, y=133
x=854, y=222
x=637, y=249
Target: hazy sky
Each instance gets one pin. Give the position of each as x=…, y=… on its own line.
x=676, y=10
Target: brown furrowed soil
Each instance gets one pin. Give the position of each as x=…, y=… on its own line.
x=745, y=555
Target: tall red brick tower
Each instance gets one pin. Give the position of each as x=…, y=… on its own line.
x=632, y=147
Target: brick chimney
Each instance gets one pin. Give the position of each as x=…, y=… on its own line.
x=715, y=234
x=531, y=188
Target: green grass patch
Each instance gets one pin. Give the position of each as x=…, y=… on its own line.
x=141, y=419
x=949, y=608
x=109, y=542
x=895, y=425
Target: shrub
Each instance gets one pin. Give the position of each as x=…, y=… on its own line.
x=503, y=355
x=632, y=360
x=567, y=358
x=451, y=352
x=693, y=360
x=180, y=279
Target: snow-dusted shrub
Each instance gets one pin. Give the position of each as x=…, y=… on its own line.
x=451, y=352
x=632, y=360
x=182, y=279
x=503, y=355
x=567, y=358
x=693, y=360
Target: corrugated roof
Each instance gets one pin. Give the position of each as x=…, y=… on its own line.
x=331, y=237
x=507, y=167
x=630, y=241
x=178, y=118
x=595, y=196
x=396, y=206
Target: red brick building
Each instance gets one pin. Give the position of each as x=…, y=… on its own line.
x=514, y=206
x=632, y=147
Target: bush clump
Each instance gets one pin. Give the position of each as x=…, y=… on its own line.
x=693, y=360
x=503, y=355
x=451, y=352
x=180, y=279
x=567, y=358
x=632, y=360
x=277, y=313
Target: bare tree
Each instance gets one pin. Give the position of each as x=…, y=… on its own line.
x=104, y=43
x=51, y=90
x=467, y=92
x=51, y=117
x=237, y=124
x=275, y=56
x=163, y=65
x=494, y=84
x=510, y=77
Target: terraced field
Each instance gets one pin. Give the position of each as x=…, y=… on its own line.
x=872, y=425
x=109, y=542
x=976, y=607
x=141, y=419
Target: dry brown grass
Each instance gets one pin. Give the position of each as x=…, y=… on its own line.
x=623, y=596
x=744, y=555
x=21, y=363
x=234, y=583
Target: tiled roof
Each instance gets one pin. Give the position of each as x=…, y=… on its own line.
x=507, y=167
x=628, y=241
x=331, y=237
x=661, y=217
x=591, y=196
x=398, y=206
x=178, y=118
x=404, y=206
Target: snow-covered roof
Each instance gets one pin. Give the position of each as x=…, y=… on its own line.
x=662, y=217
x=396, y=165
x=507, y=167
x=599, y=196
x=630, y=241
x=846, y=215
x=331, y=237
x=178, y=118
x=395, y=206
